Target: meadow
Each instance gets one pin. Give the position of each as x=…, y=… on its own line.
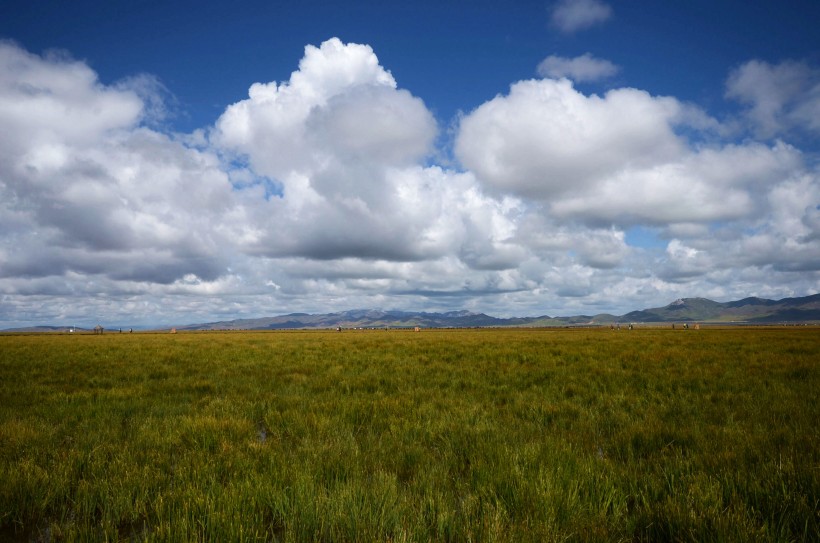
x=441, y=435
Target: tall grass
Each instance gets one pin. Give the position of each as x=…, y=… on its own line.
x=502, y=435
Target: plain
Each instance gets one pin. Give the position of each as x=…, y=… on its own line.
x=440, y=435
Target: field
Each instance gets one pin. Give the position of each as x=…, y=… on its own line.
x=462, y=435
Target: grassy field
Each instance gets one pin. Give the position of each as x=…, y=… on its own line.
x=474, y=435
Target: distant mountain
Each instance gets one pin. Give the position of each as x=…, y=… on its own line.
x=364, y=318
x=748, y=310
x=745, y=311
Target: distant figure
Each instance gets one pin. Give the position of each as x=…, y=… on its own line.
x=338, y=328
x=120, y=330
x=417, y=329
x=697, y=326
x=98, y=329
x=673, y=326
x=173, y=330
x=630, y=326
x=130, y=330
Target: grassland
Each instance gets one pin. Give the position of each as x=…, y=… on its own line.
x=502, y=435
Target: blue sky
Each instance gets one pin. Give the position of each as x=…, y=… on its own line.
x=454, y=55
x=533, y=158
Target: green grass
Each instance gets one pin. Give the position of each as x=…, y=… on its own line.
x=480, y=435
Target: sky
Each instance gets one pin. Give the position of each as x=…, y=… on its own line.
x=171, y=163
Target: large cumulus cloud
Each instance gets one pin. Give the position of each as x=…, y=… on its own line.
x=628, y=158
x=346, y=146
x=725, y=207
x=85, y=187
x=545, y=138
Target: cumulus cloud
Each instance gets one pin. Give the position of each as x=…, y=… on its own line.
x=579, y=69
x=53, y=99
x=346, y=144
x=279, y=124
x=588, y=163
x=97, y=202
x=545, y=138
x=551, y=241
x=573, y=15
x=614, y=159
x=779, y=97
x=319, y=193
x=86, y=188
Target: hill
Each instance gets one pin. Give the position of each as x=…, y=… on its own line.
x=747, y=310
x=366, y=318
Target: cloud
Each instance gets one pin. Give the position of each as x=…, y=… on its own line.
x=587, y=168
x=320, y=192
x=580, y=69
x=551, y=241
x=545, y=138
x=778, y=97
x=573, y=15
x=277, y=128
x=86, y=188
x=346, y=144
x=53, y=99
x=153, y=94
x=614, y=160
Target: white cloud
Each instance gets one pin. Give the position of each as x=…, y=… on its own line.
x=551, y=241
x=319, y=193
x=585, y=164
x=579, y=69
x=616, y=159
x=546, y=139
x=54, y=99
x=375, y=124
x=698, y=187
x=85, y=189
x=279, y=125
x=573, y=15
x=779, y=97
x=346, y=144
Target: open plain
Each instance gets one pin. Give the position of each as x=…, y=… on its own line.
x=440, y=435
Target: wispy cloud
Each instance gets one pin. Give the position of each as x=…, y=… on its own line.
x=580, y=69
x=574, y=15
x=779, y=97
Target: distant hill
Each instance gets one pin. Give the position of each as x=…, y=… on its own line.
x=745, y=311
x=748, y=310
x=364, y=318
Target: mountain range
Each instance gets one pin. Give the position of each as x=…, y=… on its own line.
x=745, y=311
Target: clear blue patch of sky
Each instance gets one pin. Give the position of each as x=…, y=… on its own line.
x=644, y=237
